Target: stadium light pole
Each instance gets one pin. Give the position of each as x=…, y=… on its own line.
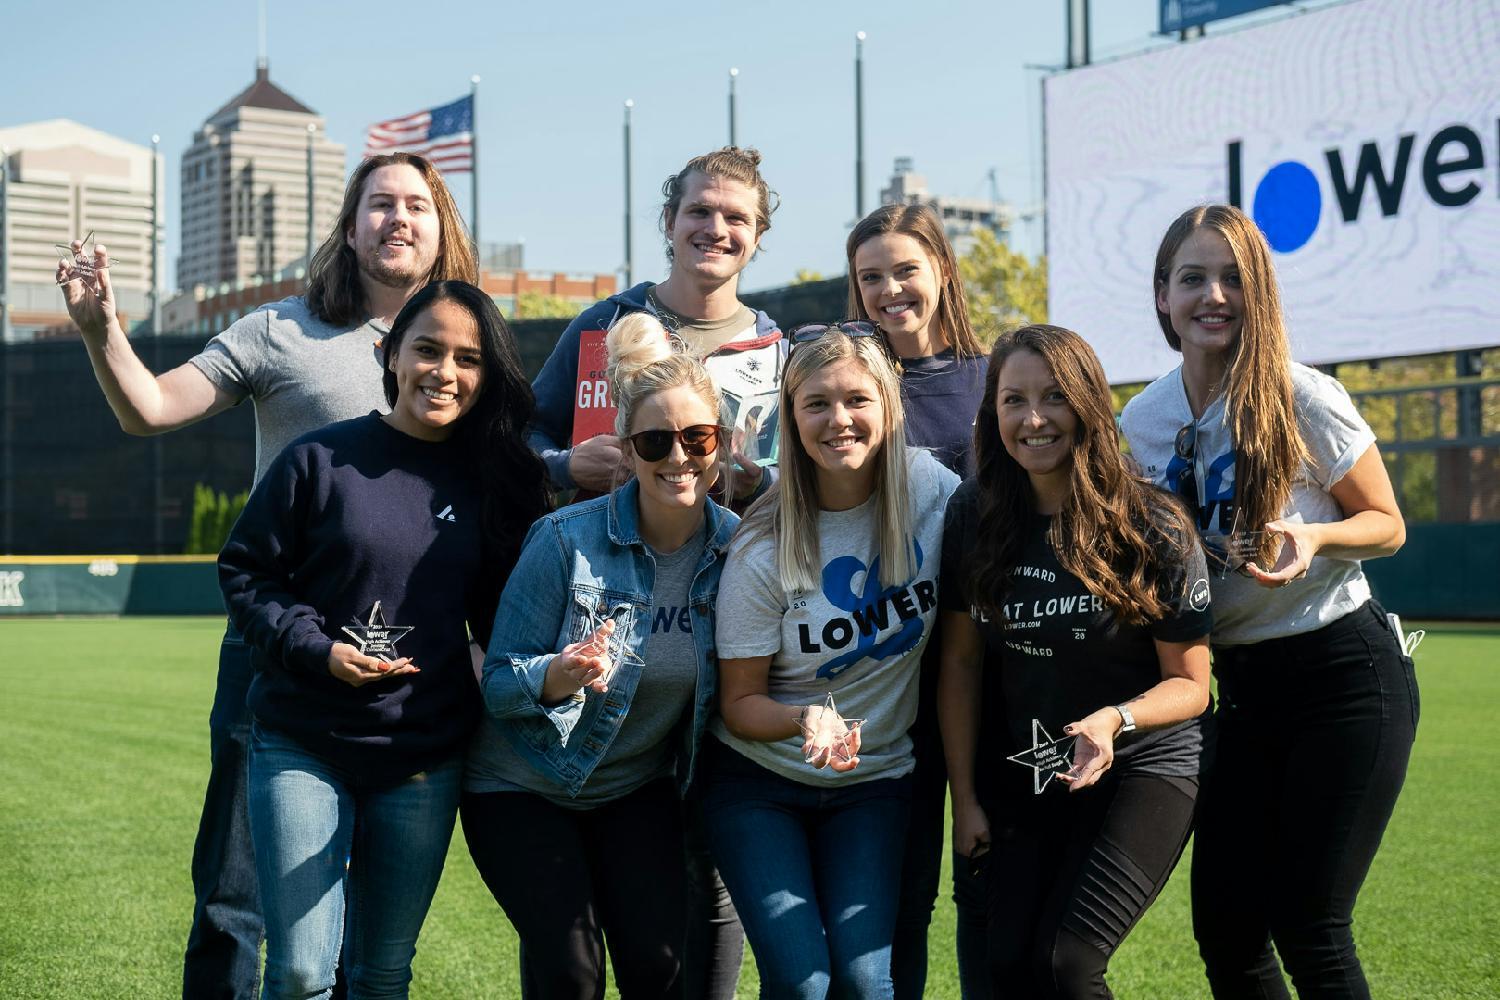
x=733, y=73
x=155, y=235
x=859, y=125
x=1078, y=33
x=312, y=131
x=628, y=265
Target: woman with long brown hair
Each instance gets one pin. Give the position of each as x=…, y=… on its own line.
x=1290, y=493
x=903, y=277
x=1081, y=588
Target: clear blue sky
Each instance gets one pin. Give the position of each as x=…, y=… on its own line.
x=946, y=83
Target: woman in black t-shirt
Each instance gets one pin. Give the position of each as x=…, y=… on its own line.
x=1084, y=588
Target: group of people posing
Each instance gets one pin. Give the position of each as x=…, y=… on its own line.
x=815, y=582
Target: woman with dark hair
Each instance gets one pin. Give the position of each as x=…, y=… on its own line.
x=1083, y=587
x=598, y=685
x=903, y=277
x=368, y=555
x=1290, y=494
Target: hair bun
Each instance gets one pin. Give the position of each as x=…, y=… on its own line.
x=634, y=343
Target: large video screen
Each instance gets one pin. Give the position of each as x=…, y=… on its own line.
x=1363, y=138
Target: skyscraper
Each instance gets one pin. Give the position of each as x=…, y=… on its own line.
x=63, y=181
x=244, y=187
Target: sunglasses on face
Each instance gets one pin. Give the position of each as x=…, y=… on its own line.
x=655, y=445
x=808, y=332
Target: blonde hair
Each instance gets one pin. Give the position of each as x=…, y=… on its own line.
x=789, y=510
x=1258, y=405
x=645, y=359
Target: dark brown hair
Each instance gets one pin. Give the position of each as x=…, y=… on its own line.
x=922, y=224
x=1115, y=531
x=334, y=292
x=493, y=433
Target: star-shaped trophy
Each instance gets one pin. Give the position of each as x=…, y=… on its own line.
x=842, y=745
x=375, y=637
x=599, y=646
x=1046, y=757
x=80, y=264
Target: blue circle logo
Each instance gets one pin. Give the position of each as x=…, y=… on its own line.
x=1287, y=205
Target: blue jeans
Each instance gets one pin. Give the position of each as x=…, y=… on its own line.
x=222, y=959
x=814, y=872
x=321, y=836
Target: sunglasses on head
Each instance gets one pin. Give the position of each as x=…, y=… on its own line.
x=808, y=332
x=655, y=445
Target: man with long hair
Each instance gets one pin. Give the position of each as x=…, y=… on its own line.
x=304, y=362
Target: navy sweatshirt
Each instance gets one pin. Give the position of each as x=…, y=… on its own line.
x=943, y=395
x=347, y=516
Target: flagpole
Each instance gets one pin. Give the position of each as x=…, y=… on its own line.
x=474, y=165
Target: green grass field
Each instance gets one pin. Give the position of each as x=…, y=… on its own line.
x=103, y=758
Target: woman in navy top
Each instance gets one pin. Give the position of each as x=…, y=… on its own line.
x=366, y=557
x=903, y=277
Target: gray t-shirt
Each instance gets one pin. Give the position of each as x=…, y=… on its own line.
x=1336, y=436
x=851, y=638
x=301, y=373
x=644, y=748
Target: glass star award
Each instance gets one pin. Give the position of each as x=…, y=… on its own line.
x=79, y=265
x=1046, y=757
x=1241, y=546
x=375, y=637
x=832, y=733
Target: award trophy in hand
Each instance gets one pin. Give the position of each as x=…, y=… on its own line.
x=77, y=263
x=829, y=739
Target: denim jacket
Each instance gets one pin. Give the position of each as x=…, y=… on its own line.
x=578, y=566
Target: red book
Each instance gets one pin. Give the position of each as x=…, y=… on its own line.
x=593, y=409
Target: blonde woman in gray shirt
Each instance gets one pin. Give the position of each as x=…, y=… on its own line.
x=826, y=603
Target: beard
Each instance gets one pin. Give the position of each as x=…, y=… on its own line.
x=391, y=273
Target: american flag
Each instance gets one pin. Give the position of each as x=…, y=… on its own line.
x=444, y=135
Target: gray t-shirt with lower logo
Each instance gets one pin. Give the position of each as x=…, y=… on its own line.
x=301, y=373
x=853, y=637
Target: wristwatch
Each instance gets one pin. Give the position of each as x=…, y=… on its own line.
x=1126, y=718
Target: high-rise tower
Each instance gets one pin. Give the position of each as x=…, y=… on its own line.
x=245, y=187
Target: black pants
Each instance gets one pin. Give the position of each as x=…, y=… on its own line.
x=571, y=880
x=922, y=866
x=1071, y=873
x=1314, y=736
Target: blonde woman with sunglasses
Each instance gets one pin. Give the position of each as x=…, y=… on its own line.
x=598, y=686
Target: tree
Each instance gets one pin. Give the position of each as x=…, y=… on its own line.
x=538, y=305
x=805, y=276
x=1005, y=288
